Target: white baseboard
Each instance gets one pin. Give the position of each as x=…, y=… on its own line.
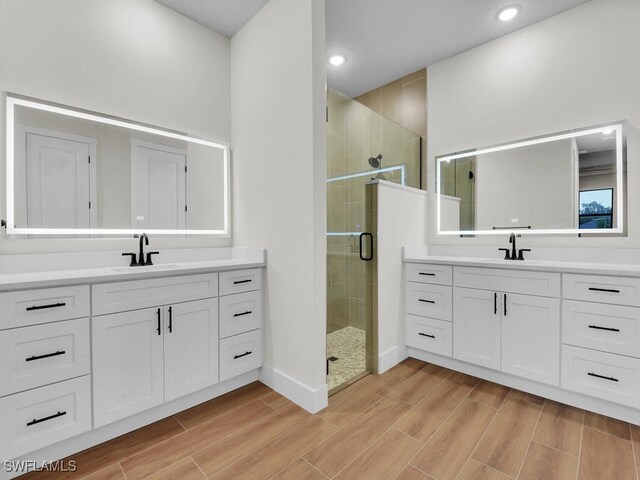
x=95, y=436
x=312, y=400
x=391, y=358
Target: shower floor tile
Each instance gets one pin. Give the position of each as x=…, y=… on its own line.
x=348, y=345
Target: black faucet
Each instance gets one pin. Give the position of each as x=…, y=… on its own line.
x=141, y=261
x=513, y=255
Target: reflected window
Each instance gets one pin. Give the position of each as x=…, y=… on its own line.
x=596, y=208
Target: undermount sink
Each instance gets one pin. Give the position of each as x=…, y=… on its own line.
x=146, y=268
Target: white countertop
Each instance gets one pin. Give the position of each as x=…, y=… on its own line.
x=64, y=277
x=625, y=270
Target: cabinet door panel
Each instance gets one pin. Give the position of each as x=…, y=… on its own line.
x=191, y=347
x=531, y=338
x=127, y=364
x=476, y=327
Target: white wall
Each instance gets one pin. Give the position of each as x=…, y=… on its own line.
x=402, y=220
x=576, y=69
x=135, y=59
x=279, y=190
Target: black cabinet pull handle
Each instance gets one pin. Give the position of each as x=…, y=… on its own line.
x=495, y=303
x=237, y=282
x=426, y=335
x=50, y=417
x=40, y=357
x=362, y=257
x=235, y=357
x=505, y=304
x=608, y=329
x=158, y=329
x=248, y=312
x=427, y=274
x=425, y=301
x=602, y=376
x=608, y=290
x=170, y=319
x=42, y=307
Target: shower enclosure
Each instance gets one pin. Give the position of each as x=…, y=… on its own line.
x=362, y=145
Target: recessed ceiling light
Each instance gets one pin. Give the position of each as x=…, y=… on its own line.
x=608, y=131
x=508, y=13
x=337, y=60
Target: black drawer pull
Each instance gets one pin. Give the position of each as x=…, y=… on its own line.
x=426, y=335
x=425, y=301
x=235, y=357
x=40, y=357
x=42, y=307
x=242, y=281
x=170, y=319
x=50, y=417
x=427, y=274
x=248, y=312
x=608, y=329
x=602, y=376
x=608, y=290
x=158, y=326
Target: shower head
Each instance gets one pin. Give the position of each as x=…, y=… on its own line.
x=376, y=162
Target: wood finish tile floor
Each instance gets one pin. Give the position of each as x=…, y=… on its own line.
x=415, y=422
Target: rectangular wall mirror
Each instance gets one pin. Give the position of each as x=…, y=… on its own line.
x=566, y=183
x=75, y=173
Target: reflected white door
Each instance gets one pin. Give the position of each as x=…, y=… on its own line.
x=158, y=186
x=57, y=177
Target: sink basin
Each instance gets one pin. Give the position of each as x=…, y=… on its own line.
x=147, y=268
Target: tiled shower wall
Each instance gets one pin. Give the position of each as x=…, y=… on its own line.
x=356, y=133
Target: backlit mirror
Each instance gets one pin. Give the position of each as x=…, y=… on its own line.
x=566, y=183
x=76, y=173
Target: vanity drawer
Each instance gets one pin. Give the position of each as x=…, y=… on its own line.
x=240, y=281
x=595, y=288
x=34, y=356
x=543, y=284
x=609, y=328
x=422, y=273
x=33, y=307
x=429, y=334
x=432, y=301
x=604, y=375
x=37, y=418
x=240, y=354
x=137, y=294
x=240, y=313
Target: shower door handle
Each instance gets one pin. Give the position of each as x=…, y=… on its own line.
x=370, y=257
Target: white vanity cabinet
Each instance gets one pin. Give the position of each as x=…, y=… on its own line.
x=502, y=330
x=571, y=337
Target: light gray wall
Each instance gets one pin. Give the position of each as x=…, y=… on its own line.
x=576, y=69
x=134, y=59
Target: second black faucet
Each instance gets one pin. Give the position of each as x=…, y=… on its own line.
x=141, y=261
x=513, y=255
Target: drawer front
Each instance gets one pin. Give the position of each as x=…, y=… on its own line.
x=429, y=334
x=422, y=273
x=240, y=313
x=603, y=375
x=35, y=356
x=137, y=294
x=33, y=307
x=240, y=354
x=433, y=301
x=37, y=418
x=542, y=284
x=609, y=328
x=240, y=281
x=595, y=288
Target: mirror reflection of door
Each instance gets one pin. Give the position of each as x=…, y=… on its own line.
x=158, y=186
x=55, y=179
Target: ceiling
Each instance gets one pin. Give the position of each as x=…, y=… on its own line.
x=384, y=40
x=223, y=16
